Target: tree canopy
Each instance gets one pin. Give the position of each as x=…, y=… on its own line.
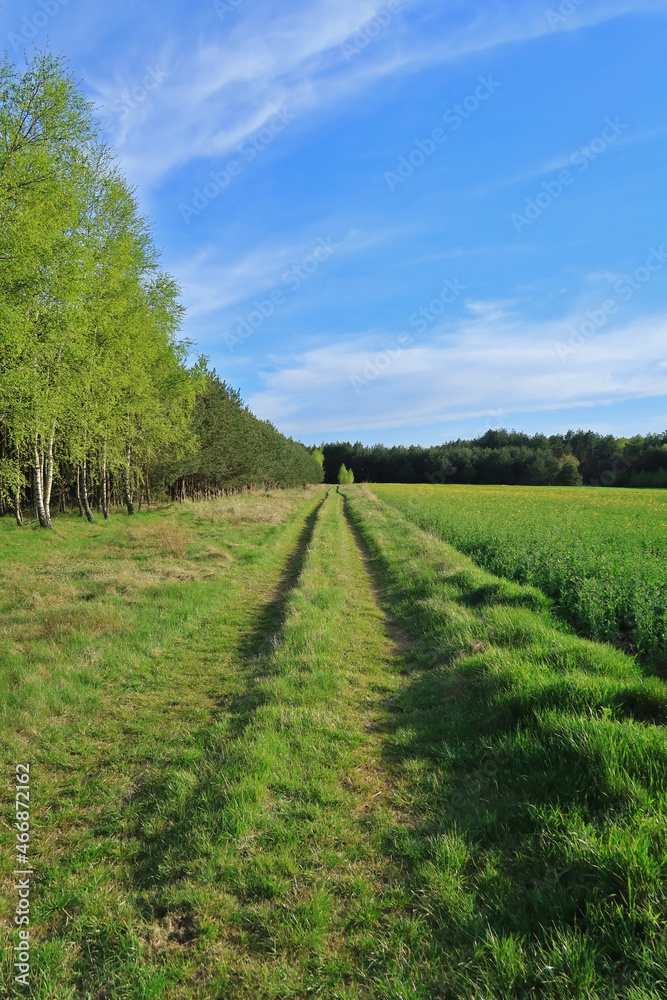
x=96, y=392
x=510, y=458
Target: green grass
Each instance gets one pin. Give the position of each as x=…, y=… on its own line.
x=117, y=641
x=259, y=772
x=291, y=824
x=599, y=554
x=215, y=829
x=539, y=770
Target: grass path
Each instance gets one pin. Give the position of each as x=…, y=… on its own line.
x=214, y=827
x=301, y=801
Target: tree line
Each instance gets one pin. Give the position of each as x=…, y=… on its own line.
x=98, y=402
x=510, y=458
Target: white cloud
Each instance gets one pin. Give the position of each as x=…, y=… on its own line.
x=210, y=284
x=564, y=161
x=465, y=371
x=229, y=83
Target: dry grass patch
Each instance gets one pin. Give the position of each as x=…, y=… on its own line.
x=252, y=507
x=37, y=602
x=167, y=536
x=57, y=616
x=59, y=623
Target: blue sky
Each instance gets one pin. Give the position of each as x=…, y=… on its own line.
x=398, y=222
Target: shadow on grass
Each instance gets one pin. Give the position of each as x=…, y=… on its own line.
x=169, y=830
x=503, y=592
x=533, y=769
x=270, y=622
x=167, y=850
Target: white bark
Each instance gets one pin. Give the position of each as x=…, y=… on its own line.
x=105, y=486
x=78, y=490
x=84, y=494
x=42, y=513
x=128, y=494
x=49, y=474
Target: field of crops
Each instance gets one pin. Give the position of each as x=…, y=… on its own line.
x=601, y=555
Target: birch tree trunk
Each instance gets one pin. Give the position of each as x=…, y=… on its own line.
x=17, y=508
x=105, y=485
x=17, y=500
x=42, y=513
x=128, y=494
x=49, y=474
x=84, y=494
x=78, y=490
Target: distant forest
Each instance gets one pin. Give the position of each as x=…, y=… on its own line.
x=510, y=458
x=98, y=404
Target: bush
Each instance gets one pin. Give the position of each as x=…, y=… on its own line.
x=569, y=474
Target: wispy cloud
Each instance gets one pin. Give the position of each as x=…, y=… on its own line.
x=492, y=362
x=562, y=161
x=232, y=79
x=213, y=284
x=225, y=88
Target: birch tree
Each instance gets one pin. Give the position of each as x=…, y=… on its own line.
x=95, y=383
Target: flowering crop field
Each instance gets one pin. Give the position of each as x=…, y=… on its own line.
x=601, y=555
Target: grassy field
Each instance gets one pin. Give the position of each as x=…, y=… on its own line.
x=120, y=643
x=292, y=746
x=600, y=554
